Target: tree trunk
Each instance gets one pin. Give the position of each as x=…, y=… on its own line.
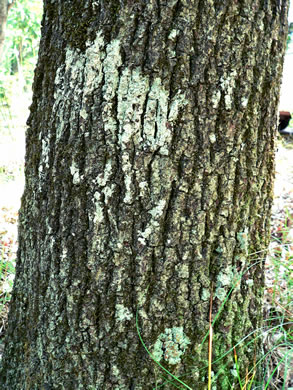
x=149, y=171
x=4, y=8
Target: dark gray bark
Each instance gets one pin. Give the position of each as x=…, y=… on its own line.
x=149, y=170
x=4, y=8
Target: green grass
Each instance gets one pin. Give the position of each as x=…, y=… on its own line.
x=7, y=272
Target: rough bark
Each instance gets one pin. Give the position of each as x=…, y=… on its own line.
x=149, y=170
x=4, y=8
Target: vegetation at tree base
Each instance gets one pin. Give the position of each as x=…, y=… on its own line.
x=157, y=351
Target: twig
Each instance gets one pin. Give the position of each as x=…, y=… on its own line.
x=210, y=341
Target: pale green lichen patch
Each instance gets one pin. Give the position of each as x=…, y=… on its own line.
x=131, y=94
x=94, y=57
x=225, y=280
x=242, y=238
x=110, y=68
x=183, y=270
x=205, y=294
x=156, y=133
x=153, y=224
x=221, y=293
x=123, y=313
x=133, y=88
x=171, y=345
x=75, y=80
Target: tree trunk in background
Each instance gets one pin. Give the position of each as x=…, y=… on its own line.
x=149, y=171
x=4, y=8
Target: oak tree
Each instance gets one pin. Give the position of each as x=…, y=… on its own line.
x=149, y=172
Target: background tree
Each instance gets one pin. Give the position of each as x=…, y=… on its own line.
x=149, y=170
x=20, y=49
x=5, y=5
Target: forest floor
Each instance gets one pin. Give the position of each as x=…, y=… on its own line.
x=278, y=340
x=278, y=304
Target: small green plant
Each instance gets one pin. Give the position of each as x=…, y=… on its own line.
x=7, y=272
x=8, y=247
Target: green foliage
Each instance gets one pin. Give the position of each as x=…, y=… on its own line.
x=7, y=271
x=290, y=39
x=21, y=46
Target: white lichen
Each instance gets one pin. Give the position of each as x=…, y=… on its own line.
x=227, y=83
x=123, y=313
x=108, y=192
x=128, y=195
x=131, y=94
x=216, y=98
x=212, y=138
x=83, y=113
x=45, y=152
x=143, y=236
x=75, y=173
x=158, y=210
x=173, y=34
x=99, y=215
x=244, y=102
x=143, y=186
x=104, y=176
